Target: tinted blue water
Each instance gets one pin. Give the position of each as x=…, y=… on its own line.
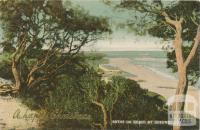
x=154, y=60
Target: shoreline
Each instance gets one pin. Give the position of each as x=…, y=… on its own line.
x=160, y=73
x=153, y=81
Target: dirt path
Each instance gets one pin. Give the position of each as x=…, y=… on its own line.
x=15, y=115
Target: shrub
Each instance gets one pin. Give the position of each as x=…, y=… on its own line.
x=123, y=98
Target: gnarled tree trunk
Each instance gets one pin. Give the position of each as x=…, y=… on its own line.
x=18, y=55
x=181, y=63
x=16, y=75
x=106, y=115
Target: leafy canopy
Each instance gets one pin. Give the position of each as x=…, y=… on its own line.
x=44, y=36
x=148, y=18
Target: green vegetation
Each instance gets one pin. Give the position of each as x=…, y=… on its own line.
x=95, y=58
x=193, y=69
x=44, y=37
x=41, y=55
x=178, y=21
x=77, y=92
x=149, y=20
x=5, y=66
x=102, y=102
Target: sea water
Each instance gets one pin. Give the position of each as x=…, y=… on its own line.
x=153, y=60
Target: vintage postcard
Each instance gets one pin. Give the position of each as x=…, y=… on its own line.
x=99, y=65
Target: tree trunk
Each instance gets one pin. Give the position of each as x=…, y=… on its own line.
x=182, y=83
x=106, y=115
x=181, y=64
x=16, y=75
x=105, y=118
x=110, y=118
x=181, y=90
x=182, y=71
x=17, y=56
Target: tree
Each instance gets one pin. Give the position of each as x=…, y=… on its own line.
x=43, y=35
x=190, y=10
x=103, y=95
x=178, y=21
x=85, y=93
x=120, y=98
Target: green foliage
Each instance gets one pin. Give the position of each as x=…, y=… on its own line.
x=44, y=39
x=73, y=87
x=39, y=93
x=135, y=102
x=193, y=68
x=67, y=95
x=189, y=10
x=5, y=57
x=33, y=16
x=98, y=90
x=148, y=18
x=74, y=95
x=154, y=23
x=95, y=58
x=5, y=66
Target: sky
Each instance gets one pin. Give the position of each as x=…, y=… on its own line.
x=120, y=39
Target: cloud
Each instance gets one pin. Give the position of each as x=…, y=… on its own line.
x=131, y=44
x=121, y=39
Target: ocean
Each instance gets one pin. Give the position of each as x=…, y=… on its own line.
x=153, y=60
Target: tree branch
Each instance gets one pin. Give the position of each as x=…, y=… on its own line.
x=194, y=48
x=98, y=103
x=175, y=23
x=168, y=19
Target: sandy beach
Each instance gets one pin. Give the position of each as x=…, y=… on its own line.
x=151, y=80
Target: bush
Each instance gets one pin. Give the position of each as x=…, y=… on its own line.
x=133, y=102
x=68, y=94
x=136, y=103
x=5, y=66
